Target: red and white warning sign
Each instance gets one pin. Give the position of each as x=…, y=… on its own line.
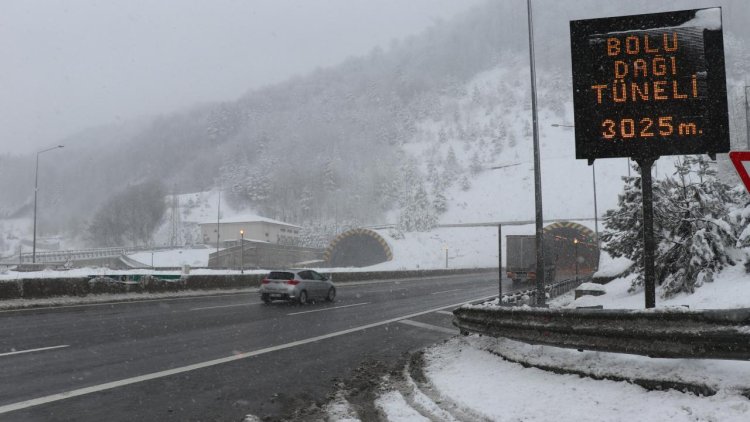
x=739, y=158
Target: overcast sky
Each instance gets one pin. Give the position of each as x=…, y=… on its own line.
x=72, y=64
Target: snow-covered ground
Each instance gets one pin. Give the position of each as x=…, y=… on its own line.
x=477, y=378
x=731, y=289
x=465, y=372
x=174, y=258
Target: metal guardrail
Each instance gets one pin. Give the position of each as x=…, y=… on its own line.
x=666, y=333
x=526, y=297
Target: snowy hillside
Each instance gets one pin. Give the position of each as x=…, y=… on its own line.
x=478, y=155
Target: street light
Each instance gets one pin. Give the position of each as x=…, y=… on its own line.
x=539, y=214
x=747, y=117
x=36, y=190
x=575, y=242
x=593, y=179
x=242, y=251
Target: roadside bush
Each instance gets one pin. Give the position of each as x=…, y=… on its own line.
x=47, y=287
x=100, y=285
x=223, y=281
x=10, y=290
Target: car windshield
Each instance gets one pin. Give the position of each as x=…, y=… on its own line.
x=375, y=210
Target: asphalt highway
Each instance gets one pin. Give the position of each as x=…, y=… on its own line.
x=214, y=357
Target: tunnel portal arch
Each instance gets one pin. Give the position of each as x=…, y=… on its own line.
x=358, y=248
x=586, y=250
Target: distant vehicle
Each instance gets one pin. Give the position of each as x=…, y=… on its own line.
x=298, y=286
x=521, y=258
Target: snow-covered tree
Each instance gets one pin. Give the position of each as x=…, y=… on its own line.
x=476, y=164
x=699, y=238
x=417, y=214
x=693, y=231
x=440, y=203
x=465, y=183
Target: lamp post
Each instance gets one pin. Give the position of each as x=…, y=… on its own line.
x=747, y=117
x=593, y=178
x=242, y=251
x=575, y=244
x=36, y=190
x=446, y=256
x=539, y=214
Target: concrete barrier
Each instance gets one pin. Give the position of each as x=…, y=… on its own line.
x=48, y=287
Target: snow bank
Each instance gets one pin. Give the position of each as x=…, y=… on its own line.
x=732, y=376
x=611, y=267
x=174, y=258
x=501, y=390
x=730, y=289
x=592, y=287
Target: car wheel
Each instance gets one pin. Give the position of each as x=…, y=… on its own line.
x=302, y=297
x=331, y=294
x=265, y=298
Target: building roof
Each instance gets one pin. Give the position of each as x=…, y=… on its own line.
x=250, y=218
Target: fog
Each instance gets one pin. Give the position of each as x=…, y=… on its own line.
x=328, y=115
x=69, y=65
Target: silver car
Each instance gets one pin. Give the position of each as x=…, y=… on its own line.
x=298, y=286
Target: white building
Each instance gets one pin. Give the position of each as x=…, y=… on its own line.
x=255, y=228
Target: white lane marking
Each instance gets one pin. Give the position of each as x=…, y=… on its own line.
x=127, y=381
x=225, y=306
x=34, y=350
x=445, y=291
x=328, y=309
x=445, y=313
x=428, y=326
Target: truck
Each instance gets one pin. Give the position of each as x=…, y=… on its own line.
x=520, y=265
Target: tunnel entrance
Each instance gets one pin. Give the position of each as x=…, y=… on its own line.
x=567, y=250
x=358, y=248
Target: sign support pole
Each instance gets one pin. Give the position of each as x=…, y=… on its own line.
x=648, y=230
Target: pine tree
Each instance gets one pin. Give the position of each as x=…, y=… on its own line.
x=476, y=164
x=623, y=225
x=451, y=167
x=693, y=230
x=417, y=214
x=440, y=203
x=465, y=183
x=698, y=231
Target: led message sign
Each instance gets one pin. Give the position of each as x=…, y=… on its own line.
x=649, y=85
